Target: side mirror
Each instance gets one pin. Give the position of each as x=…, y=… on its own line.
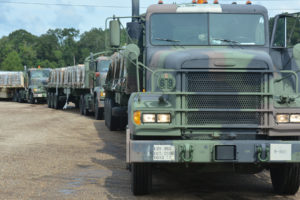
x=115, y=33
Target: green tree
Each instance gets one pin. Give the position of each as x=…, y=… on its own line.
x=12, y=62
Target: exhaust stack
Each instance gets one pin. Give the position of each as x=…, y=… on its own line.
x=135, y=9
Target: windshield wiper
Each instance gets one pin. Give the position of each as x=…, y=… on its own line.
x=167, y=40
x=227, y=40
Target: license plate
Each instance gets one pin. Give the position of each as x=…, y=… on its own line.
x=164, y=153
x=280, y=152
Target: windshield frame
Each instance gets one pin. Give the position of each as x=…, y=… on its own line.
x=266, y=26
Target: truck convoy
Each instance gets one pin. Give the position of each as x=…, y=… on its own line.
x=205, y=85
x=81, y=84
x=24, y=86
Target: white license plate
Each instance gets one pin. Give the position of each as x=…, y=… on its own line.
x=280, y=152
x=38, y=95
x=164, y=153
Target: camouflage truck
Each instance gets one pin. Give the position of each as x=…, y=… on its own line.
x=81, y=84
x=204, y=85
x=35, y=80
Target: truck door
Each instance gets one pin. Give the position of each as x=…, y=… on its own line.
x=285, y=43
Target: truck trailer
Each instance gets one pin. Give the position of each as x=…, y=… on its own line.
x=10, y=82
x=80, y=84
x=204, y=86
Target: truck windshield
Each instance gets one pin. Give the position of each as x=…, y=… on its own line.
x=207, y=29
x=103, y=65
x=40, y=74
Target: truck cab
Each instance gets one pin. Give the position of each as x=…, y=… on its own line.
x=36, y=81
x=208, y=87
x=102, y=64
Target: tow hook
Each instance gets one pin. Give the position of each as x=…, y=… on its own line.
x=263, y=153
x=186, y=152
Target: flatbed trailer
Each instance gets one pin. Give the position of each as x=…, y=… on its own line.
x=81, y=85
x=10, y=83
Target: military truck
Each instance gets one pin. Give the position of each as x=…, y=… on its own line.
x=27, y=86
x=10, y=82
x=35, y=81
x=81, y=84
x=204, y=86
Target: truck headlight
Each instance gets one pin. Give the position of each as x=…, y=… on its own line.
x=102, y=94
x=295, y=118
x=282, y=118
x=35, y=90
x=149, y=118
x=163, y=118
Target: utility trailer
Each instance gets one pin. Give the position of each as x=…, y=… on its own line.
x=80, y=84
x=204, y=87
x=10, y=82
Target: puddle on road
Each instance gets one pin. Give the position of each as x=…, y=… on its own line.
x=83, y=178
x=67, y=191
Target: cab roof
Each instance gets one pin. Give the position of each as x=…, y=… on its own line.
x=207, y=8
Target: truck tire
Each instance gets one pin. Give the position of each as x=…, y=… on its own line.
x=48, y=100
x=51, y=101
x=85, y=109
x=15, y=97
x=98, y=111
x=111, y=122
x=19, y=98
x=285, y=178
x=141, y=178
x=81, y=105
x=55, y=101
x=31, y=98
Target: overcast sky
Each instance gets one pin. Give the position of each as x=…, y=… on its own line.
x=37, y=18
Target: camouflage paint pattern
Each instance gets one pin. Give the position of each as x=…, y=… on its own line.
x=201, y=121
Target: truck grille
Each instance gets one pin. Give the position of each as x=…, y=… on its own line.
x=213, y=83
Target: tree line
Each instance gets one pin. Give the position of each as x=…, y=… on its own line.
x=64, y=47
x=54, y=49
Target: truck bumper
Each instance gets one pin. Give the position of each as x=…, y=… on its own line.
x=212, y=151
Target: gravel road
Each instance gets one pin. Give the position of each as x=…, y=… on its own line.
x=54, y=154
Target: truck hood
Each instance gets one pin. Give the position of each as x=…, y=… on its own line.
x=210, y=58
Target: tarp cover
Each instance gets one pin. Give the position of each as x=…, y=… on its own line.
x=72, y=77
x=11, y=79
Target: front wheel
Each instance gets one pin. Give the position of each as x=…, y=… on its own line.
x=141, y=178
x=98, y=111
x=111, y=122
x=285, y=178
x=31, y=98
